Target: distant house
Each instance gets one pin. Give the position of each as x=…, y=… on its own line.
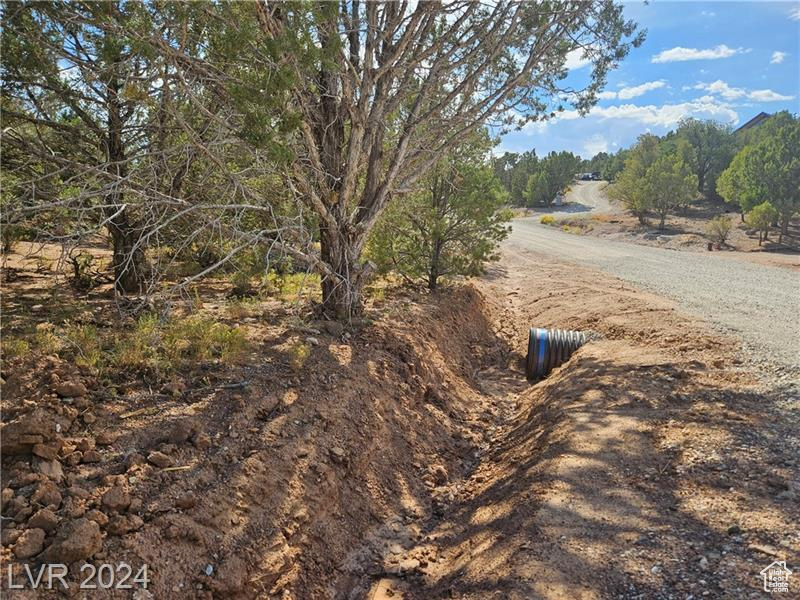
x=754, y=122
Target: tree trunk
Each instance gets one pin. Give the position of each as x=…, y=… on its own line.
x=129, y=262
x=342, y=287
x=784, y=227
x=663, y=221
x=436, y=256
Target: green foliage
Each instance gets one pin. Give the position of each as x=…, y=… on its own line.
x=713, y=146
x=13, y=347
x=657, y=177
x=164, y=346
x=768, y=170
x=719, y=228
x=552, y=175
x=450, y=227
x=669, y=183
x=761, y=217
x=629, y=188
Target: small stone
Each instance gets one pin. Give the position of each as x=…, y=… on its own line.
x=116, y=499
x=704, y=563
x=209, y=570
x=44, y=519
x=73, y=458
x=50, y=468
x=104, y=439
x=85, y=444
x=734, y=530
x=78, y=492
x=91, y=456
x=136, y=503
x=76, y=540
x=97, y=516
x=47, y=451
x=186, y=501
x=7, y=495
x=202, y=441
x=122, y=524
x=312, y=341
x=9, y=536
x=70, y=389
x=89, y=418
x=29, y=543
x=655, y=569
x=160, y=460
x=181, y=431
x=47, y=494
x=337, y=454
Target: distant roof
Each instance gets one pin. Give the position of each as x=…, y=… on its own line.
x=757, y=120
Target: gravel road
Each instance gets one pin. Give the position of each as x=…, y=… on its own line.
x=758, y=303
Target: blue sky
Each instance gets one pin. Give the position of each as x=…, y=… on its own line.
x=725, y=61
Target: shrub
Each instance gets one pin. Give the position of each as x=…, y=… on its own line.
x=298, y=354
x=87, y=345
x=14, y=347
x=547, y=220
x=761, y=217
x=719, y=228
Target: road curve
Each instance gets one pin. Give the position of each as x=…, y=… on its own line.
x=758, y=303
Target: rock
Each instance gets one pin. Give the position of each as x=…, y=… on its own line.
x=312, y=341
x=734, y=530
x=104, y=439
x=7, y=495
x=44, y=519
x=15, y=505
x=78, y=492
x=116, y=499
x=337, y=454
x=29, y=543
x=231, y=576
x=19, y=435
x=9, y=536
x=50, y=468
x=70, y=389
x=181, y=431
x=202, y=441
x=76, y=540
x=91, y=456
x=85, y=444
x=160, y=460
x=47, y=451
x=97, y=516
x=23, y=514
x=47, y=494
x=185, y=501
x=334, y=328
x=136, y=505
x=439, y=473
x=122, y=524
x=89, y=418
x=73, y=458
x=703, y=563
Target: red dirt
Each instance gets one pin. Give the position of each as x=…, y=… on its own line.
x=409, y=457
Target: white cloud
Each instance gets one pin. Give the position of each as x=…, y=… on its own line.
x=637, y=90
x=794, y=14
x=708, y=13
x=596, y=143
x=666, y=115
x=680, y=53
x=733, y=93
x=778, y=56
x=721, y=88
x=768, y=96
x=626, y=93
x=576, y=60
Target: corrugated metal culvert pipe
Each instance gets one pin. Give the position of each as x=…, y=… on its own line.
x=549, y=348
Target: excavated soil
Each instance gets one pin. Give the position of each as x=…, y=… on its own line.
x=408, y=458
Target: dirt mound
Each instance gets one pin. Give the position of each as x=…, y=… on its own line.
x=297, y=483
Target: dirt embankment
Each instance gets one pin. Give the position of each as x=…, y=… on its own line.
x=408, y=458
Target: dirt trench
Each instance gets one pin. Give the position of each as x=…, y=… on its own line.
x=410, y=459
